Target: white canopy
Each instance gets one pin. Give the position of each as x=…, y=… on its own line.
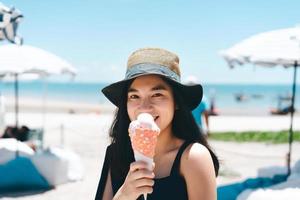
x=16, y=59
x=279, y=47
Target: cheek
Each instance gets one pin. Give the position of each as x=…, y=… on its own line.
x=171, y=113
x=130, y=111
x=168, y=110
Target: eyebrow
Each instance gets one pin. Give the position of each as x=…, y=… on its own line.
x=157, y=87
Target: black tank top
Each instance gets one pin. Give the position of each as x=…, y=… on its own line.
x=170, y=187
x=173, y=186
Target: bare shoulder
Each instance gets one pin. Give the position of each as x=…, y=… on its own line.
x=196, y=151
x=196, y=158
x=198, y=171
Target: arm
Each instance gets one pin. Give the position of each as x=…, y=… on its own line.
x=108, y=193
x=105, y=177
x=198, y=170
x=206, y=120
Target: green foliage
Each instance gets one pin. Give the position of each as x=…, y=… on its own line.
x=255, y=136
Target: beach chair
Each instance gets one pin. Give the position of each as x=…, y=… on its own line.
x=282, y=111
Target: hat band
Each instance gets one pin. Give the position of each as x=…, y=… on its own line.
x=150, y=68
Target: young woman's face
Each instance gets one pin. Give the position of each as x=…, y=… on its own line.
x=150, y=94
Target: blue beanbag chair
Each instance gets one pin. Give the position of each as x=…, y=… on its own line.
x=230, y=192
x=21, y=175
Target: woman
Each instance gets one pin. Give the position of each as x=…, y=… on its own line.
x=185, y=167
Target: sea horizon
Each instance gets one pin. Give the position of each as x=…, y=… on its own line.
x=225, y=96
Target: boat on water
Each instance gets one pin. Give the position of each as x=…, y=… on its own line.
x=241, y=97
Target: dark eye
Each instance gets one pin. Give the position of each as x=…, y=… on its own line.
x=133, y=96
x=157, y=95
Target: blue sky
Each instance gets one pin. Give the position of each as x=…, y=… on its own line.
x=97, y=36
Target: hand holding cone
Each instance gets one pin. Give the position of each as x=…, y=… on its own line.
x=143, y=134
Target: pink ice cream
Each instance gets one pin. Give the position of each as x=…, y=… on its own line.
x=143, y=134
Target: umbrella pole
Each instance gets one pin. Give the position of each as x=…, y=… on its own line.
x=292, y=119
x=45, y=94
x=17, y=110
x=17, y=100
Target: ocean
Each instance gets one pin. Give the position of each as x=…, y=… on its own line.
x=252, y=96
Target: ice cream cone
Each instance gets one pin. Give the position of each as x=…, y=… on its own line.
x=143, y=134
x=140, y=157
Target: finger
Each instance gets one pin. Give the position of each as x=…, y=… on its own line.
x=144, y=182
x=137, y=165
x=142, y=173
x=144, y=190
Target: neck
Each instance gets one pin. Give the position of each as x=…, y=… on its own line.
x=166, y=142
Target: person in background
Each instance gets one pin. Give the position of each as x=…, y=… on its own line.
x=201, y=116
x=10, y=132
x=21, y=134
x=201, y=112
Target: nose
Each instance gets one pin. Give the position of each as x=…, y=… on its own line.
x=145, y=105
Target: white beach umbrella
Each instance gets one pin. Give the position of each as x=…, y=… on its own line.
x=9, y=21
x=279, y=47
x=16, y=60
x=23, y=77
x=29, y=59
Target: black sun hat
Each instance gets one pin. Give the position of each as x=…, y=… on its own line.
x=157, y=61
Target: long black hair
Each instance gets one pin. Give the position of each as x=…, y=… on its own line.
x=183, y=127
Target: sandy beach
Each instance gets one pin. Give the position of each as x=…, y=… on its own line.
x=85, y=131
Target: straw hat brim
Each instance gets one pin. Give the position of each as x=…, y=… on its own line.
x=191, y=94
